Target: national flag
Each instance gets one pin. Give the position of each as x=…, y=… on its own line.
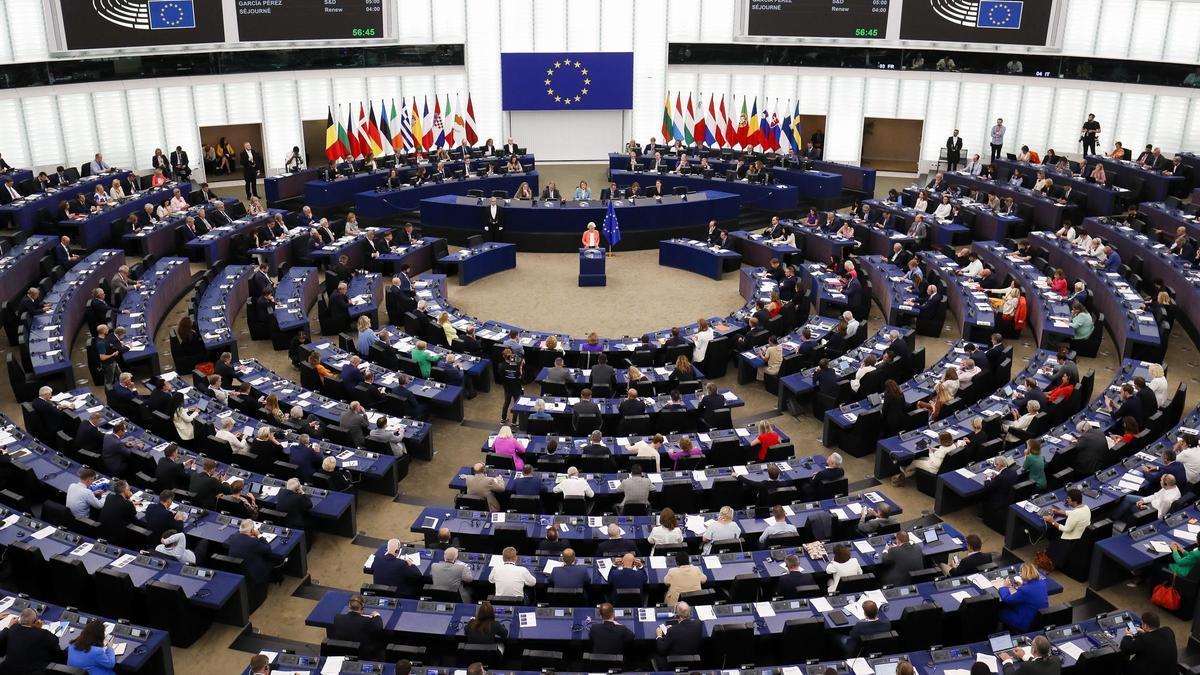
x=764, y=128
x=797, y=136
x=449, y=123
x=701, y=126
x=775, y=130
x=612, y=230
x=415, y=128
x=374, y=140
x=426, y=126
x=742, y=135
x=167, y=14
x=385, y=129
x=360, y=130
x=396, y=124
x=678, y=121
x=469, y=123
x=351, y=138
x=666, y=123
x=711, y=129
x=439, y=129
x=332, y=143
x=786, y=130
x=753, y=133
x=726, y=125
x=688, y=137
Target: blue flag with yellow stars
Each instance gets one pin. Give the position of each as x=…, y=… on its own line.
x=567, y=81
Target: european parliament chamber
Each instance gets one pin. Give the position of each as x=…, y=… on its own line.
x=836, y=337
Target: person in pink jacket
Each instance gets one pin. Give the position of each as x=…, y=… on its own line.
x=505, y=444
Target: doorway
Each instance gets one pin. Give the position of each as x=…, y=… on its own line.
x=892, y=144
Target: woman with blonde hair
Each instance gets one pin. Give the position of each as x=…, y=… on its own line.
x=683, y=371
x=506, y=444
x=635, y=376
x=255, y=207
x=447, y=327
x=720, y=530
x=941, y=396
x=272, y=409
x=1158, y=384
x=523, y=192
x=552, y=344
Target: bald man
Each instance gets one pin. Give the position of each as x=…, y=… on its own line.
x=391, y=569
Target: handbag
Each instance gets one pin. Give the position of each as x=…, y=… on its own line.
x=1166, y=596
x=206, y=368
x=1043, y=562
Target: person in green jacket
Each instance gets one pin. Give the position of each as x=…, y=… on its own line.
x=1034, y=463
x=424, y=358
x=1184, y=560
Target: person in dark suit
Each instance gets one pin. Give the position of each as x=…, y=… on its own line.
x=995, y=353
x=339, y=307
x=1149, y=651
x=900, y=559
x=825, y=379
x=357, y=626
x=169, y=472
x=853, y=292
x=682, y=636
x=179, y=163
x=260, y=281
x=970, y=564
x=9, y=191
x=929, y=304
x=295, y=504
x=787, y=586
x=31, y=303
x=609, y=636
x=159, y=516
x=1129, y=405
x=1041, y=662
x=998, y=488
x=871, y=624
x=254, y=551
x=206, y=484
x=570, y=575
x=62, y=252
x=47, y=410
x=28, y=647
x=117, y=513
x=252, y=165
x=391, y=569
x=115, y=451
x=510, y=148
x=351, y=375
x=89, y=436
x=493, y=220
x=1091, y=449
x=306, y=458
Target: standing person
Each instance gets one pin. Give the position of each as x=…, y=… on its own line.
x=251, y=167
x=1090, y=135
x=997, y=137
x=511, y=373
x=953, y=151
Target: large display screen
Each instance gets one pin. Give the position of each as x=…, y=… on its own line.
x=102, y=24
x=270, y=20
x=819, y=18
x=1009, y=22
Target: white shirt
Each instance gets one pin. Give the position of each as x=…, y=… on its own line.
x=837, y=570
x=234, y=442
x=511, y=579
x=942, y=212
x=701, y=339
x=1190, y=459
x=965, y=375
x=1076, y=524
x=851, y=327
x=644, y=449
x=661, y=535
x=1161, y=391
x=1161, y=501
x=922, y=206
x=574, y=486
x=858, y=376
x=80, y=500
x=973, y=268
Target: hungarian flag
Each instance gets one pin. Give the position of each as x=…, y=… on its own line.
x=742, y=136
x=385, y=129
x=427, y=126
x=374, y=140
x=333, y=145
x=666, y=124
x=469, y=123
x=730, y=132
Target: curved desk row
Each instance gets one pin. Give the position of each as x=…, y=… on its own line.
x=967, y=301
x=561, y=407
x=27, y=212
x=758, y=251
x=697, y=256
x=1168, y=219
x=557, y=226
x=893, y=292
x=295, y=295
x=1155, y=185
x=145, y=306
x=749, y=361
x=825, y=290
x=820, y=244
x=941, y=232
x=1047, y=213
x=736, y=440
x=365, y=291
x=754, y=195
x=1133, y=328
x=330, y=193
x=94, y=229
x=1099, y=200
x=418, y=256
x=219, y=305
x=21, y=267
x=390, y=203
x=354, y=246
x=52, y=333
x=1047, y=312
x=163, y=237
x=446, y=399
x=400, y=344
x=480, y=261
x=802, y=384
x=213, y=247
x=816, y=179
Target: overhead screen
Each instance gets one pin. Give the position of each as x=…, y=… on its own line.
x=1007, y=22
x=107, y=24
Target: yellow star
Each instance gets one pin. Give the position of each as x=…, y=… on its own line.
x=557, y=64
x=547, y=81
x=576, y=99
x=558, y=99
x=585, y=90
x=577, y=64
x=584, y=71
x=587, y=81
x=568, y=101
x=550, y=92
x=550, y=72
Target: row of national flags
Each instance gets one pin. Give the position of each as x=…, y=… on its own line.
x=392, y=129
x=699, y=123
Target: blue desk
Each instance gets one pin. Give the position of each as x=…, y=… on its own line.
x=812, y=185
x=591, y=267
x=1047, y=312
x=444, y=399
x=893, y=293
x=984, y=223
x=1156, y=186
x=365, y=291
x=353, y=246
x=1164, y=218
x=24, y=214
x=856, y=178
x=941, y=232
x=965, y=298
x=821, y=175
x=162, y=238
x=801, y=385
x=563, y=406
x=966, y=485
x=1133, y=328
x=288, y=185
x=792, y=468
x=21, y=267
x=144, y=307
x=481, y=261
x=96, y=228
x=656, y=380
x=380, y=203
x=899, y=450
x=282, y=250
x=219, y=305
x=20, y=176
x=824, y=289
x=820, y=244
x=418, y=256
x=52, y=333
x=1047, y=213
x=697, y=256
x=294, y=297
x=213, y=246
x=1117, y=558
x=1100, y=200
x=478, y=368
x=755, y=195
x=318, y=193
x=757, y=251
x=749, y=362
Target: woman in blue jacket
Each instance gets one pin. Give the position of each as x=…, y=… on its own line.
x=90, y=652
x=1018, y=607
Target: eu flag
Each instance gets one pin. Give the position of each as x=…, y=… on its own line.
x=567, y=81
x=611, y=229
x=1000, y=14
x=172, y=14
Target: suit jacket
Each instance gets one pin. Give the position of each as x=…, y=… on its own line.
x=570, y=576
x=28, y=650
x=157, y=519
x=1047, y=666
x=115, y=455
x=1149, y=653
x=682, y=638
x=490, y=221
x=49, y=413
x=971, y=564
x=295, y=506
x=168, y=474
x=206, y=488
x=179, y=158
x=787, y=585
x=929, y=306
x=256, y=557
x=365, y=630
x=602, y=373
x=610, y=638
x=900, y=560
x=114, y=516
x=392, y=571
x=250, y=169
x=89, y=437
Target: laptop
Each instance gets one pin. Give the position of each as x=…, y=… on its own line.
x=1000, y=642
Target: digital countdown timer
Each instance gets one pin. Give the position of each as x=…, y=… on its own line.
x=819, y=18
x=276, y=20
